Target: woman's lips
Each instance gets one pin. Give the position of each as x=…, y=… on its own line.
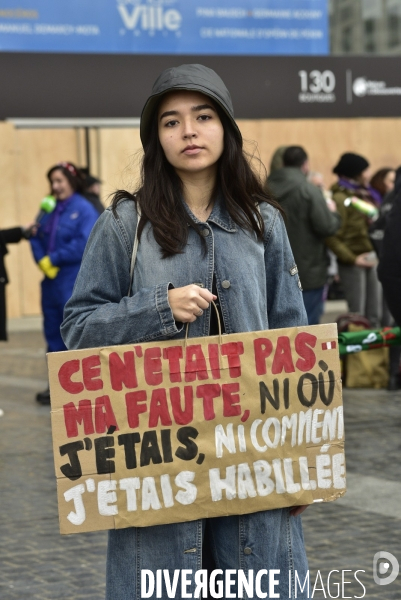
x=192, y=150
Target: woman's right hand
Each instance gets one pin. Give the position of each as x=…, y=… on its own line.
x=365, y=260
x=189, y=302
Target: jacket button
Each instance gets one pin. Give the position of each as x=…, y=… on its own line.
x=247, y=550
x=226, y=284
x=205, y=232
x=2, y=279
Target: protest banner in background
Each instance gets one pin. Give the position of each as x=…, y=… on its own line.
x=350, y=342
x=178, y=430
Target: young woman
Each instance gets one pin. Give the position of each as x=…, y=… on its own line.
x=207, y=231
x=58, y=247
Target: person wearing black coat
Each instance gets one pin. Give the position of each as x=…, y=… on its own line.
x=92, y=191
x=389, y=272
x=389, y=269
x=7, y=236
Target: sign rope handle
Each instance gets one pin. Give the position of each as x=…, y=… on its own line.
x=218, y=322
x=134, y=249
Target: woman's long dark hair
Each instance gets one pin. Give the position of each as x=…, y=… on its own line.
x=160, y=192
x=377, y=181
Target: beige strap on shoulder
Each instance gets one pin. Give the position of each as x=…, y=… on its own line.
x=134, y=249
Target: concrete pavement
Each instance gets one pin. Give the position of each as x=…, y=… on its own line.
x=39, y=564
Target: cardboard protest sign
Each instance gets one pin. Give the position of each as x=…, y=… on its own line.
x=172, y=431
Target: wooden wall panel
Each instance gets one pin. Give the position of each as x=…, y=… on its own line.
x=120, y=153
x=9, y=214
x=26, y=155
x=33, y=152
x=38, y=150
x=325, y=140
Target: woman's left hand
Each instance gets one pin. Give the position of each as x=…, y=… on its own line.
x=189, y=302
x=298, y=510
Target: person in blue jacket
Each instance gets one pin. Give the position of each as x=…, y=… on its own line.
x=58, y=247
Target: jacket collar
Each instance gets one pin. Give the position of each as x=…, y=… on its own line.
x=219, y=215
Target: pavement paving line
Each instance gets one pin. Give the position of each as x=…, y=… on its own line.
x=23, y=382
x=25, y=352
x=373, y=494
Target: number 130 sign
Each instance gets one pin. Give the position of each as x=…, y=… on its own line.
x=317, y=81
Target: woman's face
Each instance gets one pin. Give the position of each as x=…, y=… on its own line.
x=61, y=187
x=389, y=181
x=364, y=177
x=190, y=132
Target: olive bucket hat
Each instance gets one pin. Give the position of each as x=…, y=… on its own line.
x=195, y=78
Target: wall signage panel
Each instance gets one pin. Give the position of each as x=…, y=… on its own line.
x=227, y=27
x=271, y=87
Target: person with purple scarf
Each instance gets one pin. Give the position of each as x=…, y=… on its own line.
x=58, y=247
x=351, y=243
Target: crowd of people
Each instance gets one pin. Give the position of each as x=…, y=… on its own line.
x=324, y=228
x=351, y=227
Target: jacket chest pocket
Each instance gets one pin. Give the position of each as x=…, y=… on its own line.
x=67, y=230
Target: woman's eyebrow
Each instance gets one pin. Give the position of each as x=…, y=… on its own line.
x=199, y=107
x=202, y=107
x=168, y=113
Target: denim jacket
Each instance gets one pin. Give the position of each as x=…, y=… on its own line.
x=257, y=282
x=258, y=288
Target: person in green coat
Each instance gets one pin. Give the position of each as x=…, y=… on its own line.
x=309, y=220
x=351, y=244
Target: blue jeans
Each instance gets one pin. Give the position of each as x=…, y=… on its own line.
x=55, y=293
x=263, y=540
x=313, y=300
